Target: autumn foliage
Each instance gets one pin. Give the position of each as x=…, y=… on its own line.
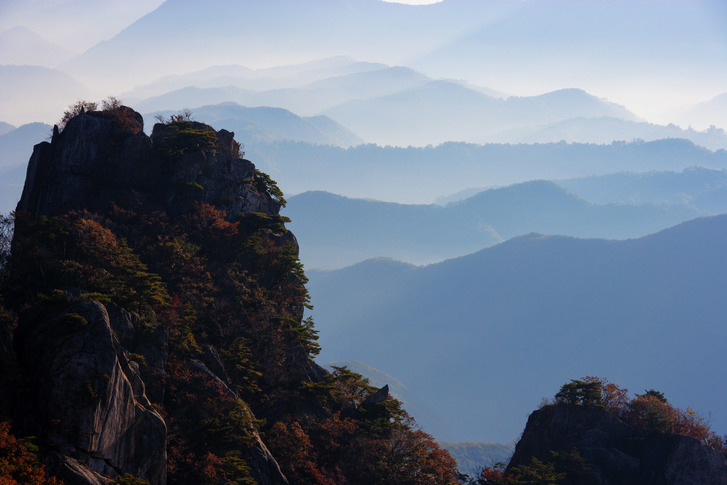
x=652, y=412
x=18, y=463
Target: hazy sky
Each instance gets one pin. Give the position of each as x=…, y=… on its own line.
x=74, y=25
x=414, y=2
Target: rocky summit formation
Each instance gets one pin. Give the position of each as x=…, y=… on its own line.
x=153, y=327
x=616, y=453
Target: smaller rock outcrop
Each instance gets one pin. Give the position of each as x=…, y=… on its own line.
x=616, y=453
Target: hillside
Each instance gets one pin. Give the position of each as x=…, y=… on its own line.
x=521, y=317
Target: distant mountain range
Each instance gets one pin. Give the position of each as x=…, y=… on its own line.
x=693, y=185
x=400, y=106
x=268, y=125
x=16, y=147
x=440, y=111
x=396, y=74
x=36, y=94
x=421, y=174
x=454, y=38
x=712, y=112
x=335, y=231
x=484, y=337
x=21, y=46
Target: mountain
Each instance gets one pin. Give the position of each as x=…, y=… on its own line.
x=499, y=44
x=421, y=174
x=11, y=187
x=193, y=96
x=336, y=231
x=283, y=32
x=21, y=46
x=705, y=114
x=659, y=187
x=51, y=91
x=589, y=444
x=74, y=25
x=17, y=144
x=595, y=46
x=152, y=331
x=264, y=79
x=6, y=127
x=322, y=94
x=442, y=111
x=268, y=125
x=399, y=106
x=607, y=129
x=15, y=149
x=472, y=457
x=307, y=99
x=488, y=333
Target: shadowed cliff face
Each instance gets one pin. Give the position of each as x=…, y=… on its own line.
x=95, y=374
x=616, y=453
x=105, y=157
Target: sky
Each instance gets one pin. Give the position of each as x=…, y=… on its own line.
x=75, y=25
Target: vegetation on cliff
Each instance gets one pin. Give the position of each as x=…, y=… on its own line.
x=177, y=242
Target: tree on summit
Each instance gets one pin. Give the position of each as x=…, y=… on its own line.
x=580, y=392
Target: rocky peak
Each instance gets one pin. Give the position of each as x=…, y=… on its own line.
x=104, y=157
x=617, y=453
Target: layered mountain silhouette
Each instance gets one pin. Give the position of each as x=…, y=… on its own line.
x=492, y=333
x=336, y=231
x=15, y=148
x=615, y=41
x=256, y=125
x=690, y=185
x=36, y=94
x=20, y=45
x=441, y=111
x=421, y=174
x=706, y=113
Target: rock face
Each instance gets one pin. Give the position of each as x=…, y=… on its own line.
x=617, y=453
x=87, y=395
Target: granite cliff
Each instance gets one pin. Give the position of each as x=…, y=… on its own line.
x=155, y=330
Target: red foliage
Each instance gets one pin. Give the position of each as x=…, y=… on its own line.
x=494, y=476
x=18, y=465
